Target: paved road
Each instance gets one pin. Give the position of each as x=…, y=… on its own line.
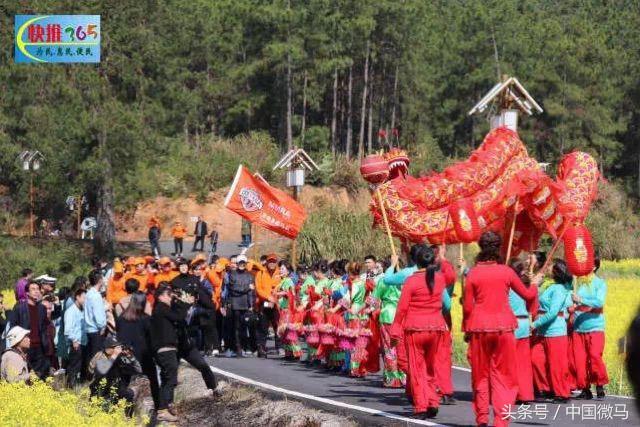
x=166, y=247
x=365, y=401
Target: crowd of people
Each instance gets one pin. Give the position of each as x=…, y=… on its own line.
x=532, y=334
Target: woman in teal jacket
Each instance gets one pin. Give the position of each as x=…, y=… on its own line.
x=551, y=324
x=588, y=335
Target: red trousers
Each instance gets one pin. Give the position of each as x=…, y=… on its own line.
x=493, y=375
x=571, y=361
x=590, y=368
x=403, y=363
x=422, y=347
x=524, y=370
x=539, y=364
x=558, y=365
x=443, y=365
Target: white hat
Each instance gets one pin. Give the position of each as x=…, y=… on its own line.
x=16, y=334
x=241, y=258
x=45, y=278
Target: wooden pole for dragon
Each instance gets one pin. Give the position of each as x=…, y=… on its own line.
x=512, y=232
x=386, y=222
x=553, y=249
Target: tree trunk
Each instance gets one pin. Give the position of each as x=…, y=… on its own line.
x=349, y=141
x=363, y=110
x=394, y=101
x=304, y=109
x=289, y=105
x=105, y=239
x=334, y=113
x=370, y=124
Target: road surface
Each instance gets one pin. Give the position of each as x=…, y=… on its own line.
x=365, y=401
x=225, y=249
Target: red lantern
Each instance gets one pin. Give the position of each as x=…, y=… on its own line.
x=578, y=250
x=465, y=220
x=374, y=169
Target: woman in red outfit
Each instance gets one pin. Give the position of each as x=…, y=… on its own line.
x=489, y=324
x=419, y=319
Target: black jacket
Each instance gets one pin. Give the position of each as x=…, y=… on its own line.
x=20, y=317
x=240, y=295
x=203, y=231
x=165, y=322
x=183, y=281
x=154, y=233
x=137, y=335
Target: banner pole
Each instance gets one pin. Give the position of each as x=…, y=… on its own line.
x=513, y=229
x=386, y=222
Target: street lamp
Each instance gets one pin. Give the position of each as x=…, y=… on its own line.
x=31, y=162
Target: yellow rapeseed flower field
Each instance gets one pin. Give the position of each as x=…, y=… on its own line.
x=39, y=405
x=622, y=304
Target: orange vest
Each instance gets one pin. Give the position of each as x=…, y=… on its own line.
x=115, y=288
x=265, y=282
x=164, y=277
x=144, y=279
x=179, y=231
x=214, y=275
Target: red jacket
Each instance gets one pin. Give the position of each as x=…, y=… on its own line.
x=419, y=308
x=448, y=272
x=486, y=298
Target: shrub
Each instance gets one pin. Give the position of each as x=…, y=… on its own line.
x=57, y=258
x=39, y=405
x=614, y=225
x=333, y=233
x=338, y=171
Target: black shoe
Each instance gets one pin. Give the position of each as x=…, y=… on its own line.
x=560, y=400
x=448, y=399
x=585, y=394
x=420, y=415
x=431, y=413
x=600, y=392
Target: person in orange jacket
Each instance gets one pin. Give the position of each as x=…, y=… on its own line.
x=166, y=273
x=267, y=280
x=215, y=274
x=115, y=287
x=140, y=273
x=178, y=232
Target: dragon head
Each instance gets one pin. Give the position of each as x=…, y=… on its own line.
x=398, y=162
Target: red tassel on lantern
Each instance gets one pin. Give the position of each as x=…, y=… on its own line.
x=465, y=220
x=578, y=250
x=374, y=169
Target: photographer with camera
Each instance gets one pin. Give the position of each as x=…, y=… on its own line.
x=171, y=341
x=112, y=370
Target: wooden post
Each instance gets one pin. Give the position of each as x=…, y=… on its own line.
x=294, y=255
x=79, y=208
x=513, y=229
x=386, y=222
x=31, y=225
